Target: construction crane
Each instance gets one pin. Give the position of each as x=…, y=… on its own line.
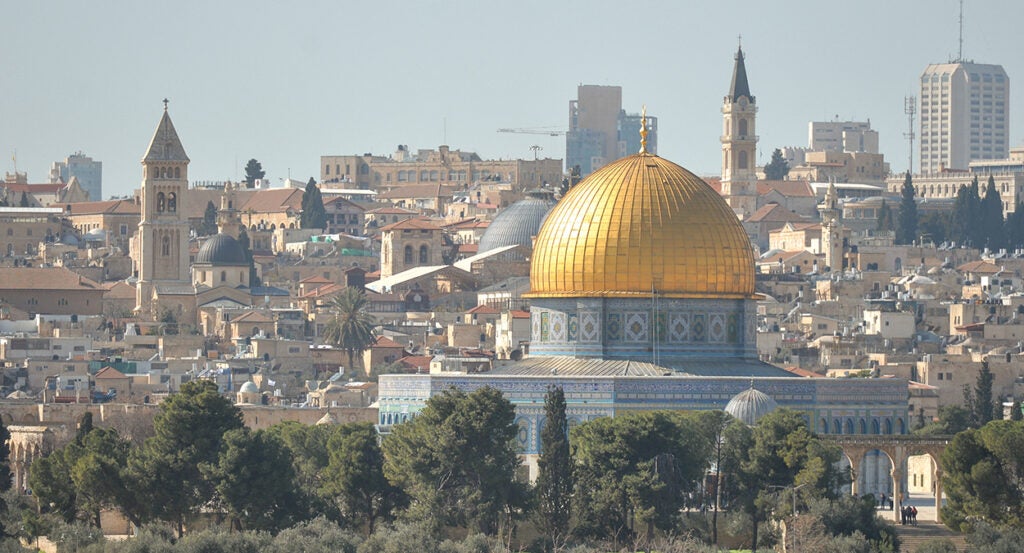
x=551, y=131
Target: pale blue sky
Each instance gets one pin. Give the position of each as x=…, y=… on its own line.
x=287, y=82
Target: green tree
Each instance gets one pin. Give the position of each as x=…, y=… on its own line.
x=984, y=476
x=5, y=459
x=189, y=429
x=209, y=224
x=254, y=481
x=780, y=453
x=953, y=419
x=992, y=217
x=934, y=226
x=983, y=404
x=1015, y=411
x=715, y=424
x=553, y=489
x=313, y=215
x=634, y=472
x=253, y=171
x=355, y=476
x=1014, y=228
x=777, y=168
x=351, y=326
x=457, y=460
x=885, y=218
x=906, y=228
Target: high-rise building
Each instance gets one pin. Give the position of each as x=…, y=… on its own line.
x=88, y=171
x=965, y=115
x=600, y=131
x=739, y=143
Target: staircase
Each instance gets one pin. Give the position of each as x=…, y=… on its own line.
x=911, y=537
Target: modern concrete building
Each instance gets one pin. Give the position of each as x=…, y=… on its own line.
x=600, y=131
x=965, y=115
x=842, y=136
x=88, y=171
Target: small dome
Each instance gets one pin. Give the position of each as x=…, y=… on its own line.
x=750, y=405
x=249, y=388
x=221, y=249
x=518, y=224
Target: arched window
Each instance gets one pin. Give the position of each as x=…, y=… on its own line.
x=743, y=127
x=888, y=426
x=741, y=163
x=172, y=202
x=408, y=254
x=160, y=202
x=875, y=427
x=849, y=427
x=901, y=426
x=863, y=426
x=837, y=427
x=241, y=276
x=423, y=254
x=223, y=276
x=177, y=172
x=10, y=232
x=165, y=247
x=824, y=426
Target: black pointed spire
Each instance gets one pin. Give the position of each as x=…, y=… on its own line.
x=739, y=86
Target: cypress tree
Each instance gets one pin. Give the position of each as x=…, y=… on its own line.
x=554, y=482
x=313, y=216
x=991, y=220
x=906, y=231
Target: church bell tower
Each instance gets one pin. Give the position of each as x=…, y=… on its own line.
x=163, y=228
x=739, y=143
x=831, y=230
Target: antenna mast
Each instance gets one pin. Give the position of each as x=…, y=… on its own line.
x=910, y=108
x=960, y=51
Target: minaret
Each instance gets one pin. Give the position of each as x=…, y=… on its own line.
x=831, y=230
x=228, y=221
x=163, y=228
x=739, y=143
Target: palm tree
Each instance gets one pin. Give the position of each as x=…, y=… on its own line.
x=351, y=327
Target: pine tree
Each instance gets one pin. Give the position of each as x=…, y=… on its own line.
x=975, y=230
x=906, y=231
x=554, y=482
x=983, y=404
x=253, y=171
x=777, y=168
x=313, y=216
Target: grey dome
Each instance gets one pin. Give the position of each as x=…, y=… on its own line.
x=517, y=224
x=249, y=388
x=221, y=249
x=750, y=405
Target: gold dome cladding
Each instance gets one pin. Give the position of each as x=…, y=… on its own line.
x=638, y=225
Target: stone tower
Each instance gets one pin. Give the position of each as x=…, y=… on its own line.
x=163, y=229
x=739, y=143
x=831, y=230
x=228, y=221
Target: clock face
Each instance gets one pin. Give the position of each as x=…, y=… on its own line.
x=743, y=101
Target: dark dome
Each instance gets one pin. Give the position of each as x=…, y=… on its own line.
x=517, y=225
x=221, y=249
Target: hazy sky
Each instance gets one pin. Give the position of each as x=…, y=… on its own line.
x=287, y=82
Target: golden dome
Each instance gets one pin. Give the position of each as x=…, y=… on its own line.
x=640, y=224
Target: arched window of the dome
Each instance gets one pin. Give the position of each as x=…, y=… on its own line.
x=741, y=163
x=888, y=426
x=875, y=427
x=408, y=254
x=160, y=201
x=863, y=426
x=424, y=251
x=837, y=427
x=823, y=426
x=849, y=426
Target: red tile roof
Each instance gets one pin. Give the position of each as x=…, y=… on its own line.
x=791, y=188
x=774, y=213
x=417, y=223
x=483, y=310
